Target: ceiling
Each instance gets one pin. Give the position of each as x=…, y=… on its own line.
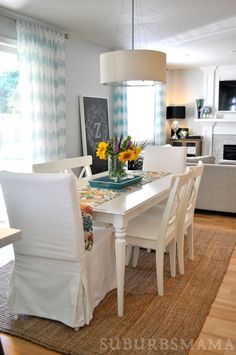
x=193, y=33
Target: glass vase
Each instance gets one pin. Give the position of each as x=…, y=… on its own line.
x=199, y=103
x=117, y=170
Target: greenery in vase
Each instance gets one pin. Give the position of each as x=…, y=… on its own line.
x=116, y=168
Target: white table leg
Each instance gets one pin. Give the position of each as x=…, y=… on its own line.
x=120, y=247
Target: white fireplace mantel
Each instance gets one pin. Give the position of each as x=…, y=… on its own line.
x=211, y=126
x=215, y=120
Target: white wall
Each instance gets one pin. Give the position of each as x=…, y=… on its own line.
x=82, y=78
x=184, y=86
x=7, y=27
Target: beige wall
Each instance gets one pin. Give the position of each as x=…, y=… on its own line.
x=184, y=86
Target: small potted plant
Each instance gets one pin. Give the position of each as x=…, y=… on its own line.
x=206, y=111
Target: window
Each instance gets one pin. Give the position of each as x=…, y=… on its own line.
x=11, y=154
x=140, y=107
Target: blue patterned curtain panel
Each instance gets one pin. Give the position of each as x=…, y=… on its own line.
x=120, y=121
x=160, y=114
x=42, y=91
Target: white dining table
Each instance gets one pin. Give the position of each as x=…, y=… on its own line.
x=119, y=211
x=8, y=236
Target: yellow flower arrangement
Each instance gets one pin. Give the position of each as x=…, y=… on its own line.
x=118, y=151
x=124, y=149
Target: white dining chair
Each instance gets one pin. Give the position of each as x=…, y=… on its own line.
x=54, y=276
x=165, y=159
x=187, y=227
x=66, y=165
x=159, y=230
x=160, y=159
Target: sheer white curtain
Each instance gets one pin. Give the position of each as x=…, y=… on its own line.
x=41, y=55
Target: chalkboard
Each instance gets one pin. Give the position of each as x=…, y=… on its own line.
x=94, y=127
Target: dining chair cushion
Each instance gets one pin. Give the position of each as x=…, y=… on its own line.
x=148, y=225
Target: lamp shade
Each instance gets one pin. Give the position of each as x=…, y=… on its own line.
x=121, y=67
x=175, y=112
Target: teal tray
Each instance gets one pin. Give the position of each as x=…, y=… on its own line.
x=106, y=183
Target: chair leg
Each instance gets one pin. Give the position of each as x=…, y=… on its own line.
x=159, y=269
x=135, y=255
x=180, y=252
x=129, y=248
x=172, y=251
x=190, y=242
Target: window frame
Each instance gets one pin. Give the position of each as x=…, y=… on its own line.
x=8, y=45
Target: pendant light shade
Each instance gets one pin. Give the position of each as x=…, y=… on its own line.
x=144, y=67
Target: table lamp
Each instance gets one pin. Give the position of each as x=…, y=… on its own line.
x=174, y=112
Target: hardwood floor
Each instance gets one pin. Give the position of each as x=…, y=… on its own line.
x=218, y=335
x=217, y=221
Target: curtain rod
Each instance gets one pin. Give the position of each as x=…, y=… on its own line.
x=14, y=16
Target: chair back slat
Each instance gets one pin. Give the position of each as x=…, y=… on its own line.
x=65, y=165
x=176, y=205
x=196, y=175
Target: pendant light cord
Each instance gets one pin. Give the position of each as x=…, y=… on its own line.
x=132, y=24
x=118, y=26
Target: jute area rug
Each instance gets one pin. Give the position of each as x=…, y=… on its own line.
x=151, y=324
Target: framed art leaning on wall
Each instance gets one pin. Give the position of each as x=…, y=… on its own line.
x=94, y=127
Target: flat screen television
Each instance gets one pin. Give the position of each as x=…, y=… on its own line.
x=227, y=95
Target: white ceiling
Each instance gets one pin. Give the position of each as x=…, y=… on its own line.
x=191, y=32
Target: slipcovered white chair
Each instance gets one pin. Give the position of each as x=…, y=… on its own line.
x=165, y=159
x=54, y=277
x=65, y=165
x=187, y=227
x=160, y=159
x=160, y=229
